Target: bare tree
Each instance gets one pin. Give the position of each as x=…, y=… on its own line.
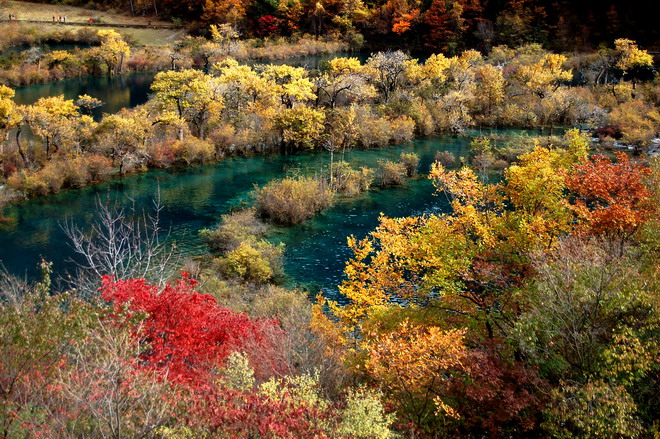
x=123, y=243
x=385, y=71
x=103, y=392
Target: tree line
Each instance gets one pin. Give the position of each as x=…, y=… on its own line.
x=196, y=116
x=451, y=25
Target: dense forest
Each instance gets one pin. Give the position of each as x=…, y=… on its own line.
x=429, y=25
x=524, y=303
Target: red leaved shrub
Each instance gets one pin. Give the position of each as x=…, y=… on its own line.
x=187, y=332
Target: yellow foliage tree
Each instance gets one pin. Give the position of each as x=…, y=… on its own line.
x=193, y=95
x=114, y=50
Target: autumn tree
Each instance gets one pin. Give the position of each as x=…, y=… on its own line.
x=631, y=59
x=612, y=198
x=242, y=89
x=385, y=70
x=188, y=348
x=123, y=138
x=414, y=367
x=544, y=76
x=291, y=84
x=37, y=330
x=224, y=11
x=343, y=78
x=490, y=89
x=113, y=50
x=448, y=21
x=300, y=127
x=52, y=120
x=9, y=117
x=192, y=95
x=226, y=37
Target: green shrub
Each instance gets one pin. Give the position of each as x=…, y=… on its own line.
x=481, y=145
x=364, y=416
x=293, y=199
x=235, y=228
x=260, y=262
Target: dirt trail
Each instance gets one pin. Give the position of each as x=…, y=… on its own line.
x=43, y=13
x=93, y=24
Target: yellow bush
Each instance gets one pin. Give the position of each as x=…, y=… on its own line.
x=410, y=161
x=75, y=172
x=391, y=173
x=53, y=175
x=193, y=150
x=349, y=181
x=293, y=200
x=258, y=263
x=28, y=183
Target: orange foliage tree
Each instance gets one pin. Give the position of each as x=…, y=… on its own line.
x=611, y=197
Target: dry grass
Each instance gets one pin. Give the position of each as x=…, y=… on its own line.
x=45, y=12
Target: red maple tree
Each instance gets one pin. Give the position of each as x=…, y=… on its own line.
x=611, y=197
x=188, y=332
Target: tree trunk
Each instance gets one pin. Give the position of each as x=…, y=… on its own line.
x=18, y=145
x=332, y=161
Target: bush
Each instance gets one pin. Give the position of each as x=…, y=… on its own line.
x=98, y=167
x=193, y=150
x=374, y=130
x=410, y=162
x=391, y=173
x=28, y=183
x=445, y=158
x=260, y=262
x=349, y=181
x=293, y=200
x=75, y=172
x=235, y=228
x=53, y=175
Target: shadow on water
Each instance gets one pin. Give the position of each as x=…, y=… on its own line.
x=116, y=92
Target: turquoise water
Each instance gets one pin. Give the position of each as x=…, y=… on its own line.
x=116, y=92
x=195, y=197
x=132, y=89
